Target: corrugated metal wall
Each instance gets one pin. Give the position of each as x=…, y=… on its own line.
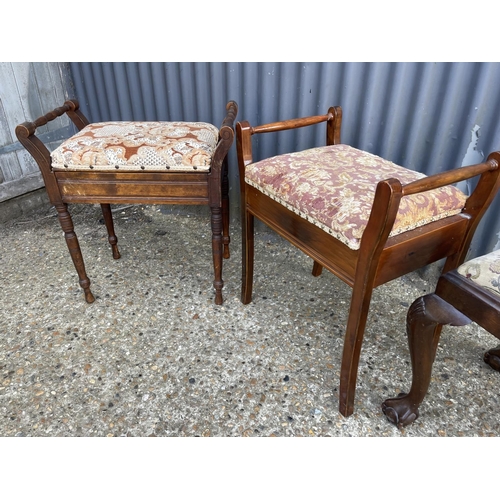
x=428, y=117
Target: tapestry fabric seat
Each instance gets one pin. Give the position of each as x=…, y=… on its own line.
x=483, y=271
x=136, y=146
x=334, y=186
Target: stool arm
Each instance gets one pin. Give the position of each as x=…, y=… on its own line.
x=231, y=112
x=244, y=131
x=451, y=177
x=25, y=133
x=478, y=201
x=70, y=107
x=389, y=193
x=226, y=137
x=291, y=124
x=218, y=167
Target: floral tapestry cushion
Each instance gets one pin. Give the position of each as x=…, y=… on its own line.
x=334, y=186
x=484, y=271
x=151, y=146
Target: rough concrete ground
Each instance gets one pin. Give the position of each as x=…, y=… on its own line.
x=153, y=355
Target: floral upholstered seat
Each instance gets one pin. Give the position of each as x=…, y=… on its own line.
x=483, y=271
x=136, y=146
x=334, y=186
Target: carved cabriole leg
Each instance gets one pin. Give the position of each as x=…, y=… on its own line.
x=225, y=211
x=108, y=219
x=423, y=325
x=216, y=222
x=74, y=249
x=492, y=358
x=247, y=239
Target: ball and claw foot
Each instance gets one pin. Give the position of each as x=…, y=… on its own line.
x=400, y=411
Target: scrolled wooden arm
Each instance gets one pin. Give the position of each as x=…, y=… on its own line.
x=226, y=136
x=27, y=129
x=25, y=133
x=219, y=167
x=382, y=219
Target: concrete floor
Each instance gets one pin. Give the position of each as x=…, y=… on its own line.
x=153, y=356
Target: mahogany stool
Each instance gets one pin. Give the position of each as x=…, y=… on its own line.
x=136, y=162
x=363, y=218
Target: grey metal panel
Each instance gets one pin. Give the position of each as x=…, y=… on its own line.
x=428, y=117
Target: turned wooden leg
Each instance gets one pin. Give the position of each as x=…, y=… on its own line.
x=225, y=212
x=317, y=268
x=247, y=239
x=108, y=220
x=74, y=249
x=492, y=358
x=423, y=325
x=216, y=222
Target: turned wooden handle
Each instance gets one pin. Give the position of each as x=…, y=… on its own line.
x=28, y=128
x=231, y=112
x=450, y=177
x=289, y=124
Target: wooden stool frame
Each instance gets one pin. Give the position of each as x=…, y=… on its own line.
x=143, y=187
x=380, y=258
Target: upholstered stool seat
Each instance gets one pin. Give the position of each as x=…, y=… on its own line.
x=136, y=146
x=334, y=186
x=483, y=271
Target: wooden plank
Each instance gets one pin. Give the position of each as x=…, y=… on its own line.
x=10, y=166
x=18, y=187
x=47, y=85
x=27, y=91
x=13, y=78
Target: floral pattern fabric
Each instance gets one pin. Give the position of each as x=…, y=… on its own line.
x=484, y=271
x=184, y=146
x=334, y=186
